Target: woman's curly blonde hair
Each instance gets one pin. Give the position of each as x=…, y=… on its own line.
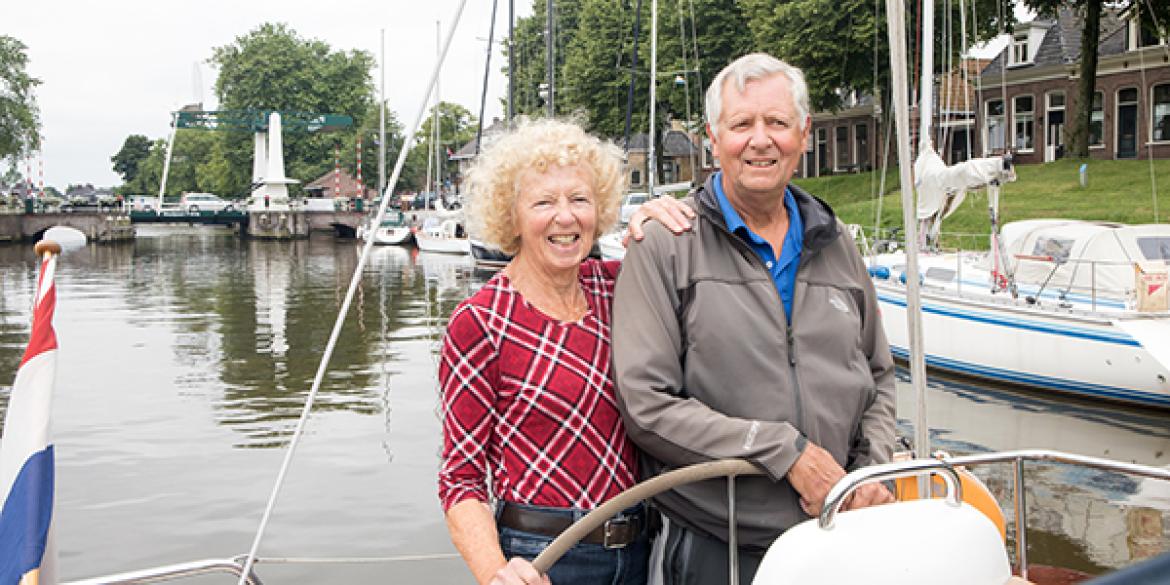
x=493, y=180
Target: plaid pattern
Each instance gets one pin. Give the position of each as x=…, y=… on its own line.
x=531, y=401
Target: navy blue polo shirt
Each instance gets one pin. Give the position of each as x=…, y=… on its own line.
x=783, y=269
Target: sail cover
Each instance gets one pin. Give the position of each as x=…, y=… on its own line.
x=942, y=188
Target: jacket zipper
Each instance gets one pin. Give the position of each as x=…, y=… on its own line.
x=789, y=335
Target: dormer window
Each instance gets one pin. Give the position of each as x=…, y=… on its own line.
x=1142, y=35
x=1019, y=50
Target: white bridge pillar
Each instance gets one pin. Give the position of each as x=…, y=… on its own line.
x=272, y=194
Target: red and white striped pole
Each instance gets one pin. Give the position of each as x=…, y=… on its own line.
x=361, y=187
x=28, y=176
x=336, y=170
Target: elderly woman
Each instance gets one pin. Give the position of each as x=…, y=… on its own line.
x=529, y=414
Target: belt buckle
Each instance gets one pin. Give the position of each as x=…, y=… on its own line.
x=608, y=532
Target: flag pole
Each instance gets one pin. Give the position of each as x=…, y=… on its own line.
x=26, y=450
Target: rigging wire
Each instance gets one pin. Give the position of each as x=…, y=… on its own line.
x=633, y=76
x=966, y=77
x=487, y=67
x=340, y=321
x=1150, y=151
x=682, y=32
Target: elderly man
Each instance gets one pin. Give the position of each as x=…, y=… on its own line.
x=756, y=335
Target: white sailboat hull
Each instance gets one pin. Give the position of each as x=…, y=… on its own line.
x=392, y=236
x=429, y=243
x=1092, y=355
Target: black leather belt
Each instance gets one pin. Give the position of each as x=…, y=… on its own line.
x=615, y=533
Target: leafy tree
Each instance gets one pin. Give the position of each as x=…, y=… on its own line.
x=413, y=171
x=843, y=43
x=196, y=165
x=529, y=45
x=456, y=127
x=134, y=150
x=19, y=117
x=272, y=68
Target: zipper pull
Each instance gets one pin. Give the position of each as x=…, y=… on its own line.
x=791, y=346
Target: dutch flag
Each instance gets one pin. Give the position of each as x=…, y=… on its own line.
x=27, y=553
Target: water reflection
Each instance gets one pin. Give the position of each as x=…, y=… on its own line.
x=187, y=353
x=1084, y=519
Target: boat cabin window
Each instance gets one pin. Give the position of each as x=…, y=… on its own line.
x=1154, y=247
x=940, y=274
x=1057, y=248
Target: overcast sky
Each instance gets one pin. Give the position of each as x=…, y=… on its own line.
x=111, y=69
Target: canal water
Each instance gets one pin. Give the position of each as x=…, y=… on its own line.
x=185, y=357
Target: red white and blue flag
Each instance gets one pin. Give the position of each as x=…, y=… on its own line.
x=27, y=554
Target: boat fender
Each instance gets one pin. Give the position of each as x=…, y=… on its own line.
x=975, y=493
x=882, y=272
x=902, y=278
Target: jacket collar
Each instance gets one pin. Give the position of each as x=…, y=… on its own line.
x=820, y=223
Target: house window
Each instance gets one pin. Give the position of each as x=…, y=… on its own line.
x=823, y=151
x=1023, y=123
x=841, y=147
x=995, y=126
x=1097, y=120
x=635, y=177
x=861, y=138
x=1143, y=34
x=1161, y=120
x=1019, y=54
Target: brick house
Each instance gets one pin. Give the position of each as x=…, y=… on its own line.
x=841, y=141
x=1026, y=106
x=681, y=159
x=1029, y=91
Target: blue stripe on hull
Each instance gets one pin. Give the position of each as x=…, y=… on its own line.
x=1119, y=339
x=1036, y=380
x=24, y=522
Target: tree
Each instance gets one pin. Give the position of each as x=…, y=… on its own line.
x=19, y=117
x=135, y=149
x=413, y=171
x=272, y=68
x=457, y=127
x=842, y=44
x=1148, y=13
x=530, y=47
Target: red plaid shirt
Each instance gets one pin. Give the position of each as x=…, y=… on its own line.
x=530, y=401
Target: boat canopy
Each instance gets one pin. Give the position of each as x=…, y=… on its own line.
x=1078, y=256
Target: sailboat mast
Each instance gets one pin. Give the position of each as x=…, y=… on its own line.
x=895, y=13
x=926, y=103
x=437, y=121
x=382, y=120
x=548, y=56
x=511, y=61
x=651, y=157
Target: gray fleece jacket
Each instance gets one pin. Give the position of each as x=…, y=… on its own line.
x=708, y=367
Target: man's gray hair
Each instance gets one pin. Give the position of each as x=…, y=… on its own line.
x=753, y=67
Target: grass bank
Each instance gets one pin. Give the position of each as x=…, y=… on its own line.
x=1117, y=190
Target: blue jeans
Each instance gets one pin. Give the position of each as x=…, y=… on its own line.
x=584, y=563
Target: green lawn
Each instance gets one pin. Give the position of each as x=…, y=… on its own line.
x=1121, y=191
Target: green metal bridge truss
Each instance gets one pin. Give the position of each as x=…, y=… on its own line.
x=257, y=120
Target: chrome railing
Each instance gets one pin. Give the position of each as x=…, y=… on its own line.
x=942, y=465
x=171, y=572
